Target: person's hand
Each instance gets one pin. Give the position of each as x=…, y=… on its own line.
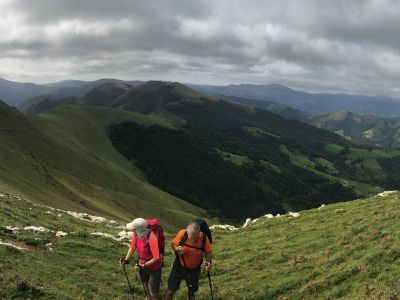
x=142, y=266
x=180, y=250
x=207, y=266
x=123, y=262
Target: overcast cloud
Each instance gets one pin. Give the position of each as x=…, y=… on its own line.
x=351, y=46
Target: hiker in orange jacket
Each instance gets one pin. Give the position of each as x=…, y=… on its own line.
x=190, y=245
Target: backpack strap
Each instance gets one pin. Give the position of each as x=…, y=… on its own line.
x=147, y=237
x=185, y=237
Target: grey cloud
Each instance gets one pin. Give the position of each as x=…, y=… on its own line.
x=350, y=45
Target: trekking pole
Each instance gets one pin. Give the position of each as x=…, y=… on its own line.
x=129, y=284
x=140, y=279
x=190, y=287
x=209, y=281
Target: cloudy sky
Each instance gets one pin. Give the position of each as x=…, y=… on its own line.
x=320, y=45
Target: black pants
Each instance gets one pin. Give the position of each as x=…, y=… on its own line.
x=153, y=277
x=179, y=273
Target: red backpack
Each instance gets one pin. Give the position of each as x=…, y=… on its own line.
x=154, y=226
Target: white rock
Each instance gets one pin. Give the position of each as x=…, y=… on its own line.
x=112, y=222
x=294, y=214
x=107, y=235
x=36, y=229
x=323, y=205
x=98, y=219
x=247, y=223
x=125, y=235
x=254, y=221
x=14, y=229
x=90, y=218
x=28, y=228
x=269, y=216
x=59, y=215
x=2, y=195
x=49, y=246
x=278, y=216
x=386, y=193
x=226, y=227
x=61, y=233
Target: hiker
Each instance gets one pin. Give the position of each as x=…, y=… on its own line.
x=189, y=246
x=150, y=261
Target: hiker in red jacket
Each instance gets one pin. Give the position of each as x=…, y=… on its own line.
x=150, y=262
x=190, y=245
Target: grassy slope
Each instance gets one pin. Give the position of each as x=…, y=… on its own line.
x=70, y=163
x=345, y=250
x=362, y=189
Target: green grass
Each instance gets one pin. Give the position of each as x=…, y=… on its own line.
x=258, y=132
x=270, y=166
x=341, y=133
x=71, y=164
x=327, y=164
x=345, y=250
x=298, y=159
x=234, y=158
x=369, y=134
x=349, y=250
x=334, y=148
x=363, y=153
x=362, y=189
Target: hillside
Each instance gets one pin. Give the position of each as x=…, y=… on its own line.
x=318, y=103
x=273, y=163
x=70, y=91
x=154, y=96
x=345, y=250
x=279, y=109
x=64, y=158
x=288, y=165
x=362, y=129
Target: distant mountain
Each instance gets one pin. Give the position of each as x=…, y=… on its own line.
x=144, y=98
x=307, y=102
x=15, y=92
x=76, y=92
x=279, y=109
x=104, y=93
x=45, y=102
x=362, y=129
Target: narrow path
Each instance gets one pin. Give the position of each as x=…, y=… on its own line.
x=16, y=245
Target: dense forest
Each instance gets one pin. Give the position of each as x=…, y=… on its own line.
x=187, y=162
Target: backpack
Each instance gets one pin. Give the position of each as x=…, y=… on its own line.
x=155, y=227
x=206, y=234
x=204, y=228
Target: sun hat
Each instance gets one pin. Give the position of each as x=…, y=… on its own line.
x=140, y=225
